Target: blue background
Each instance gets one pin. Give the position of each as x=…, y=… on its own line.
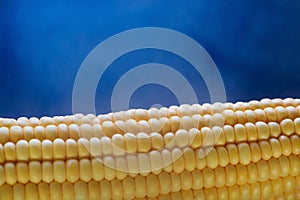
x=255, y=44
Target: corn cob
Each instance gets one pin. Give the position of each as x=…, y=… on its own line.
x=219, y=151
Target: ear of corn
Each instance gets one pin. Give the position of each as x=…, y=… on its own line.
x=219, y=151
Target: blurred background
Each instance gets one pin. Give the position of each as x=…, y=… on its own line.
x=255, y=45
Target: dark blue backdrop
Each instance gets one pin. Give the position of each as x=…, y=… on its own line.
x=255, y=45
